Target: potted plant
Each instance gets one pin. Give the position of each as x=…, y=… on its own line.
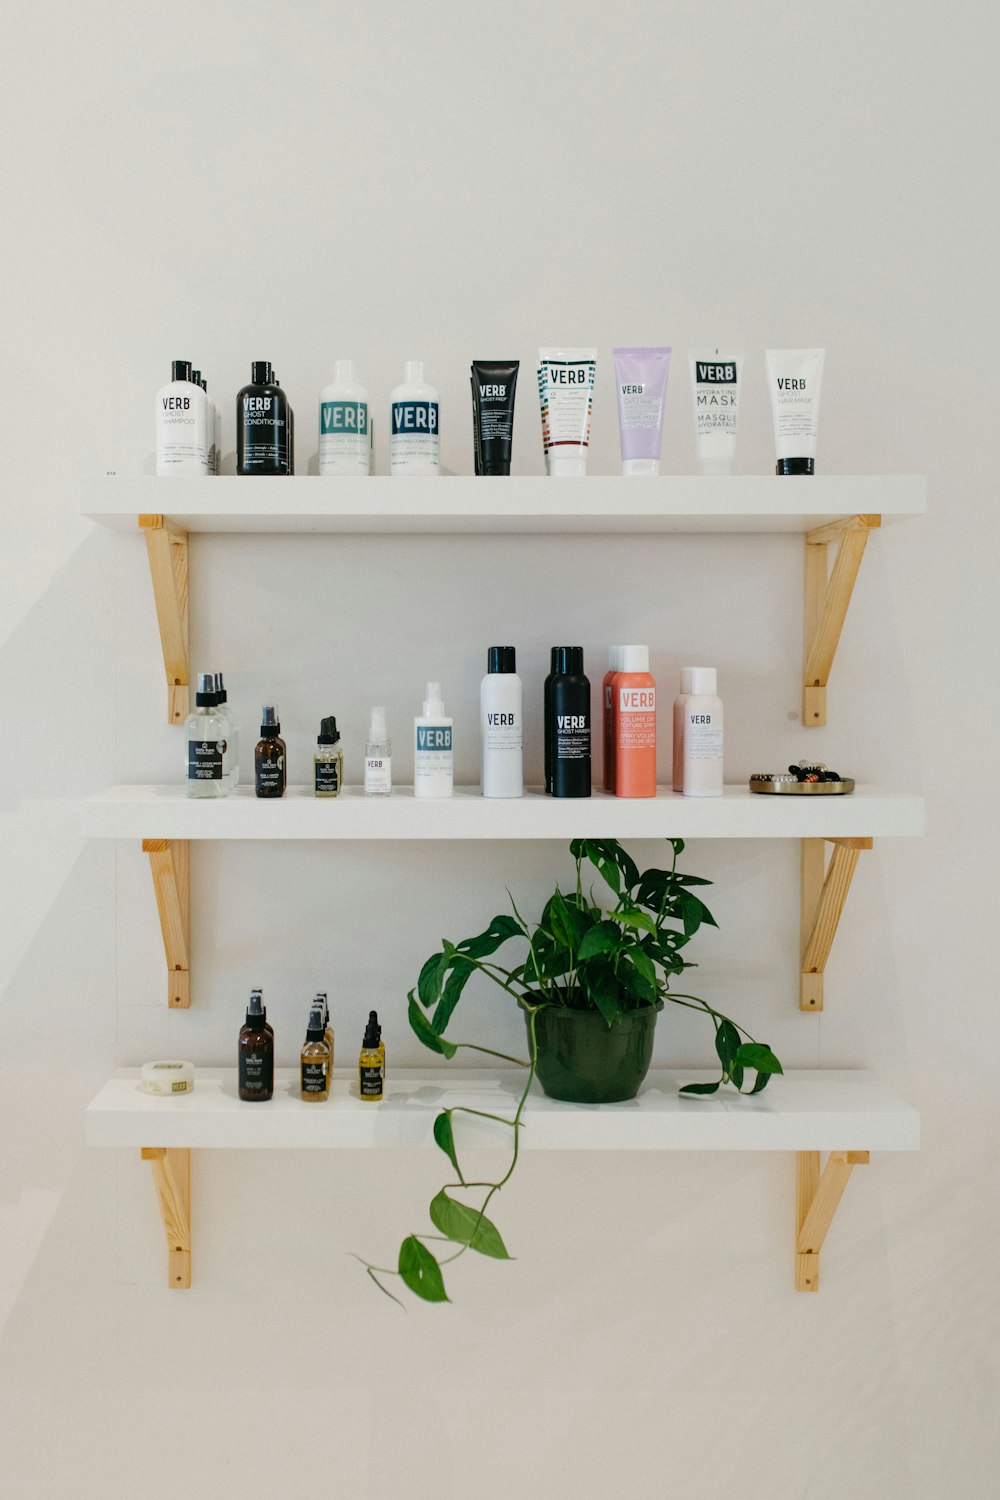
x=590, y=982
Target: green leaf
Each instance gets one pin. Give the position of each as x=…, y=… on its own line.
x=596, y=852
x=758, y=1055
x=700, y=1088
x=637, y=984
x=632, y=917
x=644, y=964
x=604, y=937
x=727, y=1045
x=496, y=934
x=653, y=886
x=691, y=880
x=431, y=979
x=424, y=1031
x=467, y=1227
x=420, y=1271
x=678, y=847
x=761, y=1083
x=444, y=1135
x=693, y=912
x=736, y=1074
x=602, y=987
x=557, y=918
x=461, y=971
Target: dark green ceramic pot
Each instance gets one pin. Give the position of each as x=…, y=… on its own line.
x=583, y=1059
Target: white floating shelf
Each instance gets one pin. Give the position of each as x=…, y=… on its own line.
x=166, y=812
x=462, y=503
x=801, y=1111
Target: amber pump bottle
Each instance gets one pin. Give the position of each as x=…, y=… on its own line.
x=256, y=1054
x=371, y=1063
x=270, y=771
x=315, y=1060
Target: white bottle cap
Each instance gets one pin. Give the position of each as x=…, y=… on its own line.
x=565, y=467
x=343, y=371
x=638, y=466
x=413, y=372
x=686, y=680
x=613, y=658
x=703, y=682
x=634, y=659
x=378, y=729
x=433, y=701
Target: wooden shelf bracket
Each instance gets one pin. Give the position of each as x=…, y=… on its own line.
x=167, y=549
x=172, y=1178
x=824, y=892
x=827, y=595
x=816, y=1198
x=169, y=861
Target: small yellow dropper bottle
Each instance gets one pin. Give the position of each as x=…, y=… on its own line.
x=371, y=1062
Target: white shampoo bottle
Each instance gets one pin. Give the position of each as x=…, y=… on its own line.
x=702, y=739
x=181, y=439
x=344, y=427
x=433, y=762
x=501, y=725
x=414, y=433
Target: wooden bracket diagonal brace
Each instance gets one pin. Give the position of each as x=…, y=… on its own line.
x=172, y=1177
x=816, y=1200
x=167, y=548
x=169, y=862
x=827, y=595
x=824, y=892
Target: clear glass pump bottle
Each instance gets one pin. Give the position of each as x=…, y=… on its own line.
x=231, y=760
x=378, y=756
x=205, y=732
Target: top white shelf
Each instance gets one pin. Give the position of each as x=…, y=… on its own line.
x=464, y=504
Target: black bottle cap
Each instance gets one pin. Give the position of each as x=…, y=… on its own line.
x=373, y=1031
x=255, y=1012
x=269, y=721
x=220, y=689
x=196, y=377
x=180, y=369
x=568, y=659
x=328, y=732
x=206, y=696
x=260, y=372
x=795, y=466
x=500, y=659
x=552, y=658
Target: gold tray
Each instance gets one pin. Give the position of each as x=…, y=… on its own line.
x=803, y=788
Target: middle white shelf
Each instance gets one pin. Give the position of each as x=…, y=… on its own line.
x=167, y=812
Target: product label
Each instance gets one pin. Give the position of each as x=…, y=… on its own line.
x=256, y=1072
x=271, y=774
x=566, y=390
x=205, y=760
x=370, y=1081
x=635, y=725
x=264, y=435
x=378, y=773
x=703, y=736
x=502, y=732
x=572, y=737
x=313, y=1079
x=641, y=405
x=327, y=776
x=344, y=437
x=433, y=737
x=415, y=437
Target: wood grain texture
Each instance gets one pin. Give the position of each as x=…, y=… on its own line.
x=167, y=550
x=839, y=875
x=171, y=1167
x=169, y=861
x=813, y=861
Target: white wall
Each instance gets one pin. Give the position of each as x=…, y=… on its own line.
x=231, y=181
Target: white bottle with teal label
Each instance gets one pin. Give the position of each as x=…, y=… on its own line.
x=344, y=425
x=433, y=757
x=414, y=432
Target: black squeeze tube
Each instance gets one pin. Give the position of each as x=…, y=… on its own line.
x=476, y=456
x=493, y=412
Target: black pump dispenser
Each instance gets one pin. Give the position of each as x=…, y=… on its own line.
x=270, y=725
x=327, y=732
x=206, y=696
x=373, y=1031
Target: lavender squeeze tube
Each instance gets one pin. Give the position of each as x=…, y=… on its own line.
x=641, y=383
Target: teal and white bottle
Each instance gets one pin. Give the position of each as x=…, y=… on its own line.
x=344, y=425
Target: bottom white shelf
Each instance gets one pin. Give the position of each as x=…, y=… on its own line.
x=827, y=1110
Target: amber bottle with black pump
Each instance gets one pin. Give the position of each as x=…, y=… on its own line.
x=270, y=771
x=255, y=1054
x=315, y=1060
x=371, y=1062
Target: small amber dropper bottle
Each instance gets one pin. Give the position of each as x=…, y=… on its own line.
x=371, y=1062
